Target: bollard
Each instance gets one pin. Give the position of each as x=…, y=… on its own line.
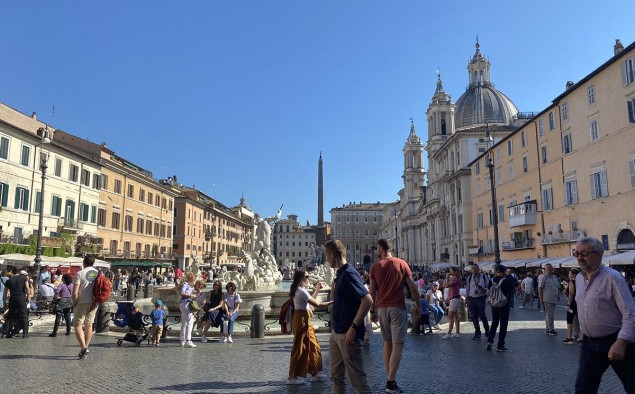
x=130, y=293
x=102, y=320
x=258, y=321
x=463, y=311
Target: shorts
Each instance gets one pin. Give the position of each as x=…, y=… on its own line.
x=82, y=315
x=393, y=323
x=455, y=303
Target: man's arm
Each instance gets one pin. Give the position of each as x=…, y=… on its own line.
x=75, y=294
x=364, y=307
x=414, y=292
x=28, y=289
x=372, y=290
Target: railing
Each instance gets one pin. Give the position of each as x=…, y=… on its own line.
x=522, y=214
x=563, y=237
x=522, y=243
x=70, y=224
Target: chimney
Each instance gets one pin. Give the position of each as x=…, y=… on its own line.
x=34, y=115
x=174, y=177
x=569, y=84
x=618, y=47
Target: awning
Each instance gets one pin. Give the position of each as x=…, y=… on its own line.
x=626, y=258
x=17, y=259
x=140, y=263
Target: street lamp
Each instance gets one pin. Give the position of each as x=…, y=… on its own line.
x=44, y=157
x=396, y=238
x=490, y=166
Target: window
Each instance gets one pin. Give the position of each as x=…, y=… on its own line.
x=631, y=165
x=101, y=217
x=543, y=153
x=570, y=191
x=567, y=145
x=85, y=177
x=498, y=154
x=130, y=191
x=157, y=200
x=4, y=148
x=164, y=203
x=26, y=153
x=93, y=214
x=148, y=227
x=96, y=181
x=479, y=219
x=477, y=168
x=104, y=182
x=73, y=172
x=478, y=187
x=523, y=138
x=599, y=185
x=541, y=127
x=83, y=212
x=56, y=206
x=628, y=71
x=128, y=223
x=510, y=147
x=150, y=197
x=116, y=217
x=117, y=186
x=501, y=213
x=21, y=198
x=591, y=94
x=594, y=128
x=565, y=112
x=58, y=167
x=552, y=120
x=140, y=225
x=547, y=198
x=156, y=229
x=525, y=165
x=4, y=194
x=511, y=171
x=142, y=195
x=38, y=196
x=630, y=106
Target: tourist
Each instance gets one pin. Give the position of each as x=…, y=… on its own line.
x=453, y=283
x=214, y=311
x=46, y=291
x=231, y=305
x=527, y=286
x=306, y=356
x=17, y=291
x=549, y=292
x=351, y=302
x=3, y=279
x=388, y=276
x=186, y=289
x=64, y=304
x=476, y=290
x=82, y=300
x=572, y=310
x=434, y=297
x=157, y=315
x=607, y=320
x=500, y=315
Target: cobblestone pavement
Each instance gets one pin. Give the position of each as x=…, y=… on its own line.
x=536, y=363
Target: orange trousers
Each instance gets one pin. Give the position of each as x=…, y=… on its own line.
x=306, y=356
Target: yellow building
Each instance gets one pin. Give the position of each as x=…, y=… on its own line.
x=568, y=172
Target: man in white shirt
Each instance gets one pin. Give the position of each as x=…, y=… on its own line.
x=528, y=290
x=82, y=300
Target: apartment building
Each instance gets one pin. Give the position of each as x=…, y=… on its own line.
x=294, y=242
x=357, y=225
x=568, y=172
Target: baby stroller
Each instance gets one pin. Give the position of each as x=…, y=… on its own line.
x=128, y=315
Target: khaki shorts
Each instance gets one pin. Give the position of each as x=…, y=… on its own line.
x=393, y=323
x=82, y=316
x=455, y=303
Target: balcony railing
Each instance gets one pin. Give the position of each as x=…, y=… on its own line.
x=522, y=214
x=69, y=224
x=563, y=237
x=521, y=243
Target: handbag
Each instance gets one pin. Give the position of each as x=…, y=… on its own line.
x=193, y=306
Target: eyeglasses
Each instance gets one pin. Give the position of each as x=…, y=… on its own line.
x=583, y=254
x=306, y=276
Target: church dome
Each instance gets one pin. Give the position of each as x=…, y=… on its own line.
x=482, y=102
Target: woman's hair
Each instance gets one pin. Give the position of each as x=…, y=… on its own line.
x=220, y=287
x=199, y=284
x=67, y=279
x=189, y=278
x=230, y=284
x=298, y=277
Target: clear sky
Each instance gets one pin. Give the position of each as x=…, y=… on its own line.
x=240, y=97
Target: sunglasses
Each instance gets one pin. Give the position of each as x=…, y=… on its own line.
x=583, y=254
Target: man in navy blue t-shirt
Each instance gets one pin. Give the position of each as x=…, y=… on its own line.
x=351, y=302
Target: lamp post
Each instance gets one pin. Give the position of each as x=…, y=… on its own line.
x=490, y=166
x=396, y=238
x=43, y=166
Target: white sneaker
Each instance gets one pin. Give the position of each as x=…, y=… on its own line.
x=456, y=335
x=521, y=307
x=182, y=343
x=446, y=337
x=189, y=344
x=204, y=339
x=319, y=376
x=295, y=381
x=229, y=339
x=223, y=340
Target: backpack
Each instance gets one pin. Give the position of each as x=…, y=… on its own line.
x=496, y=298
x=101, y=290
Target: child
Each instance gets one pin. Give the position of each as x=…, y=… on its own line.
x=157, y=316
x=425, y=318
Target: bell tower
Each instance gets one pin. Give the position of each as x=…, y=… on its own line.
x=440, y=118
x=413, y=171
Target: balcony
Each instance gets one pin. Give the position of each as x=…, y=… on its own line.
x=69, y=224
x=561, y=237
x=520, y=243
x=523, y=214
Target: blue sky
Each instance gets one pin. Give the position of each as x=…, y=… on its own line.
x=240, y=97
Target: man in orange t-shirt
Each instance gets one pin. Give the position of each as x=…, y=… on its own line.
x=387, y=279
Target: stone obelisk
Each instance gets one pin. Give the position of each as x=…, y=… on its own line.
x=320, y=236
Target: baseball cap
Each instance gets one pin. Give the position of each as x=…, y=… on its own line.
x=158, y=303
